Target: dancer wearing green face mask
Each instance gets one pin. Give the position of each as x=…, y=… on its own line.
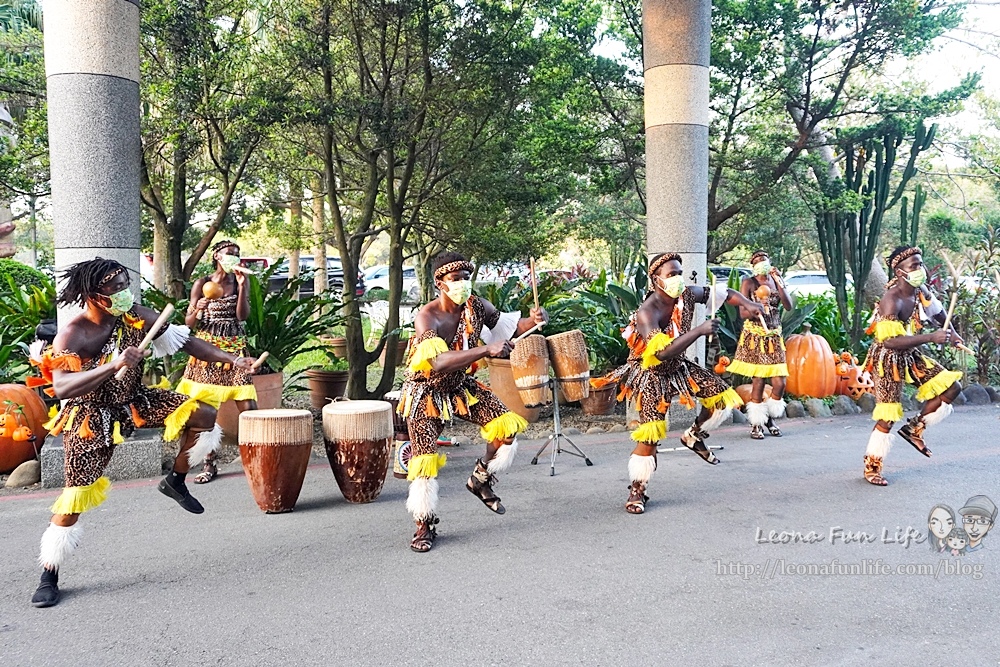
x=220, y=304
x=657, y=370
x=440, y=384
x=100, y=410
x=760, y=352
x=895, y=358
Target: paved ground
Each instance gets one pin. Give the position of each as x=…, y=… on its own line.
x=565, y=577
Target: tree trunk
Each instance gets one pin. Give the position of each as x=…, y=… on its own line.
x=319, y=235
x=294, y=225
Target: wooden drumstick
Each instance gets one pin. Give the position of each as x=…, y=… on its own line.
x=534, y=282
x=760, y=316
x=526, y=333
x=164, y=317
x=260, y=360
x=243, y=269
x=951, y=309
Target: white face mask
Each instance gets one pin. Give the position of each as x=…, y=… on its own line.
x=917, y=277
x=121, y=302
x=459, y=291
x=761, y=268
x=672, y=286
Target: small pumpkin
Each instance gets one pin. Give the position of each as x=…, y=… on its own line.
x=21, y=434
x=846, y=356
x=843, y=369
x=6, y=431
x=721, y=364
x=6, y=420
x=811, y=369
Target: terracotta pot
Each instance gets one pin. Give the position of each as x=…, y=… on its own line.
x=502, y=384
x=338, y=345
x=324, y=385
x=268, y=388
x=400, y=356
x=600, y=401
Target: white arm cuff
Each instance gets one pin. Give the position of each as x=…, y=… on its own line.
x=721, y=294
x=933, y=309
x=505, y=328
x=171, y=340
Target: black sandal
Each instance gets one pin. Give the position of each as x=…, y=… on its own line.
x=690, y=440
x=772, y=428
x=480, y=484
x=913, y=432
x=637, y=499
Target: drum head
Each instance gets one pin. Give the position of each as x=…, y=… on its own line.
x=356, y=407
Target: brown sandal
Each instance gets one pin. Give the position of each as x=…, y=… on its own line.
x=873, y=471
x=423, y=539
x=481, y=483
x=772, y=428
x=756, y=432
x=913, y=432
x=691, y=440
x=209, y=471
x=637, y=499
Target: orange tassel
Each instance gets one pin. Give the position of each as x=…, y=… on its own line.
x=694, y=385
x=460, y=407
x=136, y=419
x=432, y=410
x=50, y=392
x=31, y=382
x=770, y=346
x=599, y=383
x=85, y=431
x=60, y=424
x=895, y=372
x=662, y=406
x=622, y=394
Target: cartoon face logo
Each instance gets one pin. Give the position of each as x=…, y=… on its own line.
x=940, y=523
x=978, y=517
x=956, y=541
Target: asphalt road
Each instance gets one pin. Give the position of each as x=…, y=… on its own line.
x=566, y=577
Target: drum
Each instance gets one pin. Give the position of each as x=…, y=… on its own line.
x=401, y=458
x=398, y=422
x=358, y=437
x=568, y=352
x=529, y=363
x=275, y=446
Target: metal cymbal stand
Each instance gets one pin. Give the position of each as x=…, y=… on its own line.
x=556, y=437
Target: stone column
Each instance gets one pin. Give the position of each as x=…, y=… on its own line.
x=92, y=75
x=676, y=45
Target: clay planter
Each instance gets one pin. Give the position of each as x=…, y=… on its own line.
x=600, y=401
x=338, y=345
x=268, y=388
x=401, y=355
x=325, y=386
x=502, y=384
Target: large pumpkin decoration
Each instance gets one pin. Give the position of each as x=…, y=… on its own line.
x=22, y=409
x=812, y=369
x=746, y=390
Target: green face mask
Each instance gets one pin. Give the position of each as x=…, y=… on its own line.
x=229, y=262
x=673, y=286
x=761, y=268
x=917, y=277
x=121, y=302
x=459, y=291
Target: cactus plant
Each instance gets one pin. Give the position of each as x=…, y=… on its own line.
x=848, y=236
x=909, y=225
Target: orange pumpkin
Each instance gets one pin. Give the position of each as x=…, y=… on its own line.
x=811, y=365
x=15, y=452
x=846, y=356
x=843, y=369
x=720, y=366
x=21, y=433
x=746, y=390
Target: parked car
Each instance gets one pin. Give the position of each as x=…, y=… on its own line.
x=721, y=273
x=810, y=282
x=377, y=277
x=334, y=276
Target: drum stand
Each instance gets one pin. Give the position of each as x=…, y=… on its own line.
x=556, y=437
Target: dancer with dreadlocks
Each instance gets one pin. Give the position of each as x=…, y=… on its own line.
x=220, y=304
x=894, y=359
x=657, y=371
x=99, y=411
x=760, y=352
x=440, y=384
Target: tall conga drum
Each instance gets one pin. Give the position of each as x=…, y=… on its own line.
x=529, y=363
x=401, y=438
x=568, y=352
x=358, y=437
x=275, y=446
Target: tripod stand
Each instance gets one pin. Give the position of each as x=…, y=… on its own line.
x=556, y=437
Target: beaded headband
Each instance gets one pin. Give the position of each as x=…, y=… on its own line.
x=445, y=269
x=760, y=254
x=660, y=260
x=909, y=252
x=223, y=245
x=108, y=278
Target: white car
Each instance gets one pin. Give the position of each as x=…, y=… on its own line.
x=810, y=282
x=377, y=277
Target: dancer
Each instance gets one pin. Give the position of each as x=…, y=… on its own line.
x=218, y=319
x=657, y=370
x=439, y=384
x=99, y=411
x=760, y=352
x=894, y=359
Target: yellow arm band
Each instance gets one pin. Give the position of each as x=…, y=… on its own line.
x=425, y=352
x=656, y=344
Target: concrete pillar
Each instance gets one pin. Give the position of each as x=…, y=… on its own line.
x=676, y=46
x=92, y=75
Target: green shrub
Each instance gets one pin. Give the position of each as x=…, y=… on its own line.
x=22, y=274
